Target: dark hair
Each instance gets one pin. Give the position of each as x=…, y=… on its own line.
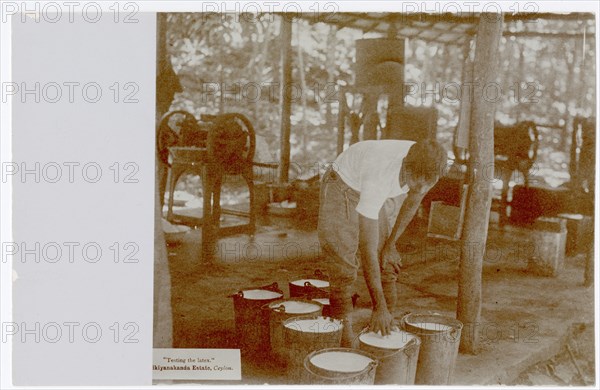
x=426, y=160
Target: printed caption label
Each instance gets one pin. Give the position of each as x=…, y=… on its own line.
x=199, y=364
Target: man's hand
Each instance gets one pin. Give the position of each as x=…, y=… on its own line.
x=382, y=321
x=390, y=255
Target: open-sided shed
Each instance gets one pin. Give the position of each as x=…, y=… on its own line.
x=485, y=31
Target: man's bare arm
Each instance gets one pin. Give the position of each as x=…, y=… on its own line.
x=407, y=212
x=368, y=238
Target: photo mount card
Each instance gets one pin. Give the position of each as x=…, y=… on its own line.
x=167, y=196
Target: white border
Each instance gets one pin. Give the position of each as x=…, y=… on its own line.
x=5, y=203
x=181, y=6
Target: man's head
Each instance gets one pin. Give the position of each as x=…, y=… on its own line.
x=423, y=165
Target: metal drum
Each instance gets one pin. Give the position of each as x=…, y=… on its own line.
x=305, y=334
x=397, y=353
x=251, y=321
x=316, y=285
x=340, y=366
x=440, y=338
x=281, y=310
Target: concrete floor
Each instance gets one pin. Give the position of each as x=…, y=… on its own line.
x=525, y=318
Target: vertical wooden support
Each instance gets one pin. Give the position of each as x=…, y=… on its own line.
x=341, y=120
x=370, y=115
x=285, y=96
x=522, y=71
x=574, y=168
x=461, y=139
x=588, y=275
x=481, y=146
x=163, y=316
x=209, y=225
x=582, y=70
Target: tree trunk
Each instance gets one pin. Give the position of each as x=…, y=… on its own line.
x=303, y=90
x=481, y=147
x=254, y=68
x=571, y=93
x=330, y=61
x=285, y=96
x=259, y=66
x=222, y=85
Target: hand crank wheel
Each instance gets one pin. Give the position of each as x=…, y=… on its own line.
x=169, y=132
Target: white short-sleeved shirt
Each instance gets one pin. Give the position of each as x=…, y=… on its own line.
x=373, y=169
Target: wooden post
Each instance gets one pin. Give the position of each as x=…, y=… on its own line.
x=285, y=96
x=370, y=115
x=163, y=316
x=341, y=121
x=574, y=165
x=461, y=138
x=481, y=147
x=588, y=275
x=522, y=70
x=210, y=226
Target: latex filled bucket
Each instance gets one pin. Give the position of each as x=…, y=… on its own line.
x=305, y=334
x=281, y=310
x=316, y=286
x=340, y=366
x=397, y=353
x=440, y=338
x=251, y=322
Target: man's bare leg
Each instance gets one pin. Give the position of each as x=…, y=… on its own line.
x=340, y=300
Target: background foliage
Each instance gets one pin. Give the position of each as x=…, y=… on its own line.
x=230, y=63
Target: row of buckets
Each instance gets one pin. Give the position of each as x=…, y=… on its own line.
x=298, y=335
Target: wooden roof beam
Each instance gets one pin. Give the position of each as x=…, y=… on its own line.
x=549, y=16
x=534, y=34
x=471, y=18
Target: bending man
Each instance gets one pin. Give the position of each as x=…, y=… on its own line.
x=368, y=197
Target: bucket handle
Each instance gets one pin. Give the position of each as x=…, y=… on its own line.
x=239, y=294
x=370, y=367
x=271, y=287
x=279, y=309
x=402, y=318
x=373, y=365
x=410, y=347
x=314, y=289
x=454, y=333
x=364, y=330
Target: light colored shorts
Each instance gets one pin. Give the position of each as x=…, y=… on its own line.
x=338, y=230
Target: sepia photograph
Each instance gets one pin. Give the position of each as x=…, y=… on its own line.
x=375, y=198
